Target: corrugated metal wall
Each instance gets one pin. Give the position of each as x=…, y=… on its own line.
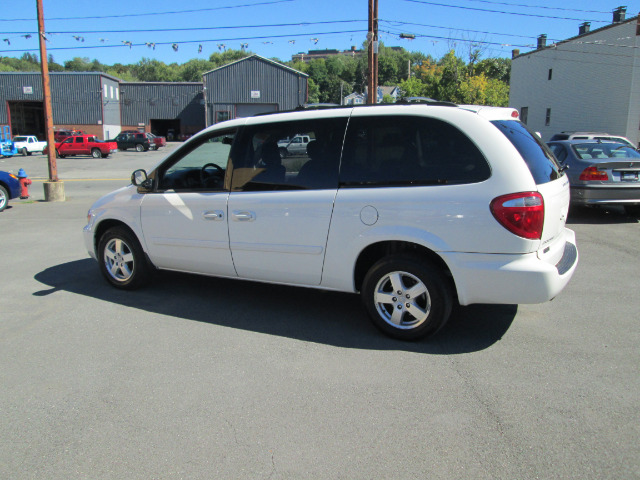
x=75, y=97
x=255, y=80
x=142, y=102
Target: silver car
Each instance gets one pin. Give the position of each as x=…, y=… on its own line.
x=601, y=173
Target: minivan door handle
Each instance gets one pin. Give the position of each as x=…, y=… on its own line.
x=244, y=216
x=213, y=215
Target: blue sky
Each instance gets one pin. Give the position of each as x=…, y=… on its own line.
x=119, y=31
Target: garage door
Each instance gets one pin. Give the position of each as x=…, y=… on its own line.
x=248, y=110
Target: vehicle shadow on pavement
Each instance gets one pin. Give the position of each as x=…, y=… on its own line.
x=599, y=216
x=318, y=316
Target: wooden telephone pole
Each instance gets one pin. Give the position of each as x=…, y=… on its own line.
x=372, y=36
x=54, y=188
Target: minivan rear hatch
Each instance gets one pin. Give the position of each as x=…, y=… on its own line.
x=552, y=184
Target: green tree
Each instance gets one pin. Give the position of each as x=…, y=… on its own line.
x=53, y=66
x=26, y=63
x=413, y=87
x=386, y=98
x=147, y=70
x=314, y=91
x=218, y=59
x=496, y=68
x=81, y=65
x=454, y=71
x=192, y=70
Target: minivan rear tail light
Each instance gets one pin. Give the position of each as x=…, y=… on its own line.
x=593, y=174
x=520, y=213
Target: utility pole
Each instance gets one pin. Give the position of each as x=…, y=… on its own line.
x=372, y=36
x=54, y=188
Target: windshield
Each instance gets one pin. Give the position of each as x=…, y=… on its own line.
x=587, y=151
x=19, y=139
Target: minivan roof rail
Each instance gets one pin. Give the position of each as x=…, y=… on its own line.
x=425, y=100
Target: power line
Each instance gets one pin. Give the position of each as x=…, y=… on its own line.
x=128, y=15
x=454, y=39
x=424, y=2
x=191, y=29
x=390, y=22
x=131, y=44
x=538, y=6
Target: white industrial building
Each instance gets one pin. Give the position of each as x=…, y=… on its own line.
x=590, y=82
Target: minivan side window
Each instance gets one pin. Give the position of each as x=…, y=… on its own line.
x=409, y=150
x=536, y=154
x=289, y=155
x=201, y=168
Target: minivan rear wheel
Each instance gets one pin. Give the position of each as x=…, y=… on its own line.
x=406, y=297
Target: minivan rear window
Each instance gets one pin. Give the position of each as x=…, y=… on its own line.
x=387, y=151
x=537, y=156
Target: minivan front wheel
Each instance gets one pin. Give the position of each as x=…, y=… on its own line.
x=122, y=260
x=406, y=298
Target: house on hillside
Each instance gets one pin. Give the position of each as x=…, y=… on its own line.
x=590, y=82
x=361, y=98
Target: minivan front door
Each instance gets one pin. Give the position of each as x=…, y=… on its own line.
x=184, y=220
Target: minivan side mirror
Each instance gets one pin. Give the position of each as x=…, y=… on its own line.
x=139, y=179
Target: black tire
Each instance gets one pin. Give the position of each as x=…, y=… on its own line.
x=57, y=154
x=632, y=210
x=23, y=151
x=406, y=298
x=96, y=153
x=139, y=148
x=29, y=153
x=122, y=260
x=283, y=152
x=4, y=198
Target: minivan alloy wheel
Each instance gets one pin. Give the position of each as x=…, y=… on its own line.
x=118, y=259
x=406, y=296
x=402, y=300
x=122, y=260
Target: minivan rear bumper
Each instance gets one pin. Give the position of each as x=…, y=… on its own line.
x=511, y=279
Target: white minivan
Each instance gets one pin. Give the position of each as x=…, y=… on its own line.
x=415, y=207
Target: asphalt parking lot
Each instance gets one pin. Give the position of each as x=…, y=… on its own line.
x=198, y=377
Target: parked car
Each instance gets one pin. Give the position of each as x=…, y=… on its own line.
x=60, y=135
x=297, y=145
x=9, y=188
x=137, y=140
x=601, y=173
x=28, y=144
x=416, y=207
x=84, y=145
x=156, y=140
x=592, y=136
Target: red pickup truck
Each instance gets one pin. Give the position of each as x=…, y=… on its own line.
x=85, y=145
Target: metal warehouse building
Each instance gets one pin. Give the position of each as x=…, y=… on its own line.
x=87, y=100
x=103, y=105
x=252, y=85
x=166, y=109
